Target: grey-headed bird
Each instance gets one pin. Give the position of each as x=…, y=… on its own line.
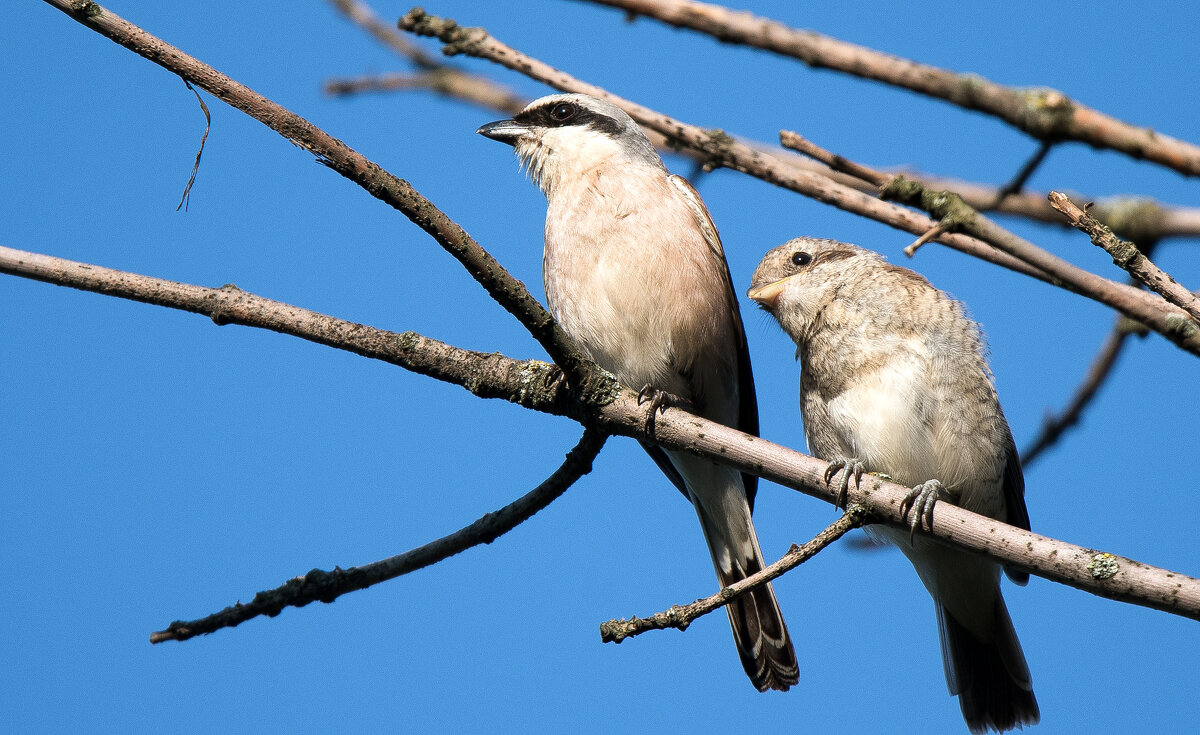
x=893, y=380
x=635, y=273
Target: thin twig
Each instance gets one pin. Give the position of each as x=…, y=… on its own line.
x=322, y=586
x=432, y=73
x=187, y=190
x=616, y=410
x=364, y=17
x=1045, y=114
x=1017, y=182
x=1128, y=256
x=934, y=233
x=797, y=142
x=681, y=616
x=1054, y=426
x=990, y=242
x=469, y=88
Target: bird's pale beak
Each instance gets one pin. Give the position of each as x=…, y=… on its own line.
x=505, y=131
x=767, y=295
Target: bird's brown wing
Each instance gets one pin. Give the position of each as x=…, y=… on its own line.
x=747, y=399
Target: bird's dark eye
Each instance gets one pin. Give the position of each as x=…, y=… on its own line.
x=801, y=258
x=563, y=111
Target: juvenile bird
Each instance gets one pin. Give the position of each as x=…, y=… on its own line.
x=893, y=380
x=635, y=273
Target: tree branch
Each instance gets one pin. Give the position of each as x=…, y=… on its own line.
x=432, y=73
x=1054, y=426
x=681, y=616
x=324, y=586
x=534, y=385
x=457, y=86
x=1045, y=114
x=1137, y=218
x=500, y=285
x=1128, y=256
x=1005, y=248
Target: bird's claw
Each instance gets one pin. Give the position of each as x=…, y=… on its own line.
x=853, y=468
x=921, y=500
x=659, y=401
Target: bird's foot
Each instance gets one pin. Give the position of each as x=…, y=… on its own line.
x=853, y=468
x=659, y=401
x=920, y=500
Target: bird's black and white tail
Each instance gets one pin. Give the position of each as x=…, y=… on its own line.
x=990, y=678
x=759, y=632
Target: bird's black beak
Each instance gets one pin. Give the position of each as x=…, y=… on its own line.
x=505, y=131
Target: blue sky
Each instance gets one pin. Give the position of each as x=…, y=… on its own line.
x=156, y=466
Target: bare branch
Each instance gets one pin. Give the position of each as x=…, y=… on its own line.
x=322, y=586
x=445, y=81
x=1135, y=217
x=1045, y=114
x=500, y=285
x=681, y=616
x=616, y=410
x=1054, y=426
x=1128, y=256
x=1005, y=248
x=1018, y=181
x=364, y=17
x=797, y=142
x=433, y=73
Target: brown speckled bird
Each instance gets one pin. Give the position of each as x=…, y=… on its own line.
x=893, y=380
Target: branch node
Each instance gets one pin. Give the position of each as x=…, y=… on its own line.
x=87, y=8
x=456, y=39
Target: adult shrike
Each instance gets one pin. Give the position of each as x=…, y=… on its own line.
x=893, y=380
x=635, y=273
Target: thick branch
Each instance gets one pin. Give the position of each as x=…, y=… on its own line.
x=1045, y=114
x=324, y=586
x=681, y=616
x=1005, y=249
x=500, y=285
x=1128, y=256
x=617, y=411
x=1137, y=218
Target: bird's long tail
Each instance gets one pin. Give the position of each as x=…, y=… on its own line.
x=759, y=632
x=991, y=678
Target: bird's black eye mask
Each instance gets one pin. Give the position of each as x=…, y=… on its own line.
x=562, y=114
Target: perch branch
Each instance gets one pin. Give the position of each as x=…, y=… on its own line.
x=681, y=616
x=534, y=385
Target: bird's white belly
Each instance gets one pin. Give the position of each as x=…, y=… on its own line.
x=884, y=419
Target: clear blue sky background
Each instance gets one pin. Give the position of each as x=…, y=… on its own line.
x=154, y=466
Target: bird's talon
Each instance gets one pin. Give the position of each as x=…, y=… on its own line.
x=920, y=500
x=853, y=468
x=659, y=401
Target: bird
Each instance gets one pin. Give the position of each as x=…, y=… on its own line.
x=893, y=380
x=635, y=273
